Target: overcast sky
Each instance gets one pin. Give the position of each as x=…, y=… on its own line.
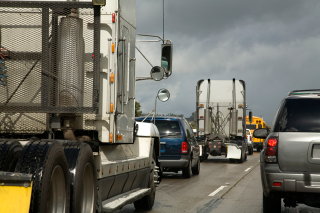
x=273, y=45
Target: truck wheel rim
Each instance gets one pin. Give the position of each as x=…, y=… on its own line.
x=87, y=189
x=57, y=193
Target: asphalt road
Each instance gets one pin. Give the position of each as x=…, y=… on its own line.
x=220, y=187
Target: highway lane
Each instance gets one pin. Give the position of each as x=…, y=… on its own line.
x=220, y=187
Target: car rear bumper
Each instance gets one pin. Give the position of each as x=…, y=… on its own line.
x=290, y=182
x=174, y=163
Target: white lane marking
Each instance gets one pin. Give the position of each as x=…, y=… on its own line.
x=218, y=190
x=248, y=169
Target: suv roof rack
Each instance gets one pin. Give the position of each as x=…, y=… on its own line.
x=304, y=92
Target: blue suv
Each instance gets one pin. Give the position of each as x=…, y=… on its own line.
x=179, y=148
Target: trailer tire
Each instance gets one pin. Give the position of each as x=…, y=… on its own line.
x=186, y=172
x=47, y=163
x=83, y=177
x=9, y=155
x=147, y=202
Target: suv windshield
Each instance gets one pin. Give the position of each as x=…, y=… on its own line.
x=299, y=115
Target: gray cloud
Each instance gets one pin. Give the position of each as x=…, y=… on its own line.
x=272, y=45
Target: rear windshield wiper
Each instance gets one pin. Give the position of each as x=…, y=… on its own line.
x=168, y=135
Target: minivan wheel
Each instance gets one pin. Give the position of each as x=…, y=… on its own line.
x=196, y=169
x=271, y=204
x=186, y=172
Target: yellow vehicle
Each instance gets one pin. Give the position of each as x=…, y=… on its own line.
x=257, y=123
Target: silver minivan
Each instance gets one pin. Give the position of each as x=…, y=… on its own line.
x=290, y=160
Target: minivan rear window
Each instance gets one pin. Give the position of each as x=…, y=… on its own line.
x=247, y=132
x=299, y=115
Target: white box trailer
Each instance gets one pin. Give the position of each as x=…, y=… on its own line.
x=69, y=141
x=221, y=114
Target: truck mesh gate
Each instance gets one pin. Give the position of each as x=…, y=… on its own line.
x=47, y=62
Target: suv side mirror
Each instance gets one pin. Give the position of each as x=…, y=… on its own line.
x=261, y=133
x=166, y=58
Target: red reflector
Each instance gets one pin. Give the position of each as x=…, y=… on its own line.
x=219, y=147
x=92, y=56
x=184, y=147
x=272, y=142
x=271, y=150
x=276, y=184
x=239, y=117
x=201, y=116
x=113, y=17
x=250, y=138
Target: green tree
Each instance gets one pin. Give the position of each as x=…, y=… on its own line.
x=193, y=125
x=137, y=111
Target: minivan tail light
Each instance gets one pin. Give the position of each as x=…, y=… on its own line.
x=184, y=147
x=271, y=150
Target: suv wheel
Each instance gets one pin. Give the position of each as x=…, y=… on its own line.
x=196, y=169
x=271, y=204
x=186, y=172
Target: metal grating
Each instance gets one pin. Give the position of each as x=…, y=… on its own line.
x=46, y=62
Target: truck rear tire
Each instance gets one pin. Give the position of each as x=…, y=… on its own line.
x=186, y=172
x=196, y=169
x=9, y=155
x=83, y=177
x=147, y=202
x=243, y=158
x=271, y=204
x=250, y=151
x=51, y=183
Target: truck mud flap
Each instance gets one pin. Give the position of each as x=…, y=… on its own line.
x=233, y=152
x=15, y=192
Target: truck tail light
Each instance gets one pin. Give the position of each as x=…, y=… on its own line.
x=184, y=147
x=113, y=17
x=271, y=150
x=250, y=138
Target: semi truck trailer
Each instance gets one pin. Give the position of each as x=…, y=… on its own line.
x=221, y=119
x=68, y=138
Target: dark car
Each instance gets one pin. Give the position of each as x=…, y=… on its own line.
x=179, y=148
